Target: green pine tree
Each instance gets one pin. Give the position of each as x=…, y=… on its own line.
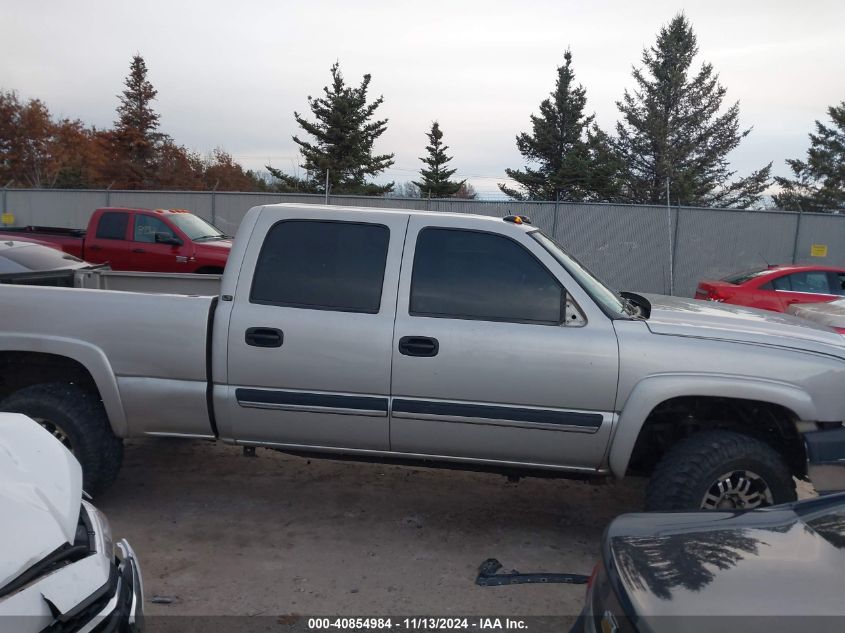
x=556, y=146
x=343, y=138
x=135, y=138
x=819, y=183
x=672, y=128
x=435, y=181
x=604, y=177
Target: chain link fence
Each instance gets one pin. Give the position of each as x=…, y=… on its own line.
x=631, y=247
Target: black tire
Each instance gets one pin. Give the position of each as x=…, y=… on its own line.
x=79, y=416
x=111, y=458
x=696, y=464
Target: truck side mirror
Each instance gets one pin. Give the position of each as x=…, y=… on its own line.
x=167, y=238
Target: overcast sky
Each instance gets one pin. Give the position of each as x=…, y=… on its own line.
x=231, y=74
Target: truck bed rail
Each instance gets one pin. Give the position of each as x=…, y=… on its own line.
x=150, y=283
x=44, y=230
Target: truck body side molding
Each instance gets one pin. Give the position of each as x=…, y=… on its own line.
x=309, y=401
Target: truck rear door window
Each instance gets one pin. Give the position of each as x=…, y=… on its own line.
x=474, y=275
x=112, y=226
x=322, y=265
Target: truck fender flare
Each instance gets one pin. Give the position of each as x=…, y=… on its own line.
x=651, y=391
x=89, y=356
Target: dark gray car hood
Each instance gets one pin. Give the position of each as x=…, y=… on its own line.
x=772, y=562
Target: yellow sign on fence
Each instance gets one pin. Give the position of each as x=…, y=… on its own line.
x=818, y=250
x=7, y=218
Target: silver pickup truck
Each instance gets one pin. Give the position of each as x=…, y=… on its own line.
x=436, y=338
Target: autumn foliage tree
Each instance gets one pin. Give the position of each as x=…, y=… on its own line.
x=137, y=146
x=466, y=191
x=223, y=173
x=39, y=151
x=26, y=138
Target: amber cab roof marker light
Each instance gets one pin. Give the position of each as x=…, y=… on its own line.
x=517, y=219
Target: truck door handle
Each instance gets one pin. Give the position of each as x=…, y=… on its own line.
x=94, y=247
x=418, y=346
x=138, y=250
x=264, y=337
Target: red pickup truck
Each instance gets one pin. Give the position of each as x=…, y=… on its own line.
x=160, y=240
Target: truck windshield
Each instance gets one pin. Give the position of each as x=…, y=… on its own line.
x=610, y=302
x=196, y=228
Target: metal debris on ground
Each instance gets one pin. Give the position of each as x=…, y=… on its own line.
x=163, y=599
x=487, y=576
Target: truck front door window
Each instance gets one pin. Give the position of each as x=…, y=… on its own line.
x=146, y=227
x=322, y=266
x=474, y=275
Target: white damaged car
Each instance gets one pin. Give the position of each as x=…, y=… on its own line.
x=60, y=570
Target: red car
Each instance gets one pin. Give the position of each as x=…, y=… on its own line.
x=776, y=287
x=154, y=240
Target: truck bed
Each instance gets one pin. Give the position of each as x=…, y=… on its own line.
x=155, y=345
x=102, y=278
x=35, y=231
x=157, y=283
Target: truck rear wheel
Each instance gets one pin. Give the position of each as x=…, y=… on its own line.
x=76, y=418
x=719, y=470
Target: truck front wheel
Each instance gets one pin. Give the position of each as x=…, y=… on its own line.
x=719, y=470
x=76, y=418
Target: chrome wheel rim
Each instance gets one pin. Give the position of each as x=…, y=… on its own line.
x=737, y=490
x=56, y=431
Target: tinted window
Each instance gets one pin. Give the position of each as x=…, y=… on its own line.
x=781, y=283
x=112, y=226
x=806, y=281
x=474, y=275
x=837, y=281
x=322, y=265
x=146, y=227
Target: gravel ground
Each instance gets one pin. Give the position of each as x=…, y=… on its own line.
x=223, y=534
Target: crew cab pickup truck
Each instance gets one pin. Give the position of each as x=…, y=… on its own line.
x=435, y=338
x=155, y=240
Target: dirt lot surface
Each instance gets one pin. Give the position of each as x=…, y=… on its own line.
x=224, y=534
x=218, y=533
